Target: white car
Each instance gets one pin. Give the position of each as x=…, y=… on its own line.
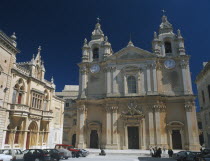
x=5, y=157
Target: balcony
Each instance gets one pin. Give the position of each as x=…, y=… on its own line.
x=20, y=110
x=47, y=115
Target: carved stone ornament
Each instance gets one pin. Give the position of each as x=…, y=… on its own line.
x=82, y=108
x=110, y=108
x=160, y=106
x=84, y=70
x=184, y=64
x=34, y=118
x=132, y=112
x=189, y=105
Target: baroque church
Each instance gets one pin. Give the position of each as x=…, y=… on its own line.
x=133, y=98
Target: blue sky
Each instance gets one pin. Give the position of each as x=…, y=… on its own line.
x=60, y=27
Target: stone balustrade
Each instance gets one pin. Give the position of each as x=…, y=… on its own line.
x=24, y=111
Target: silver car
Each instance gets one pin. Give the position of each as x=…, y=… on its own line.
x=16, y=154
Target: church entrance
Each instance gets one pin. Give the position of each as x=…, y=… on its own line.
x=133, y=137
x=176, y=139
x=94, y=139
x=73, y=141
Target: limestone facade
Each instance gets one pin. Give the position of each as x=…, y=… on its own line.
x=203, y=87
x=69, y=94
x=133, y=98
x=32, y=115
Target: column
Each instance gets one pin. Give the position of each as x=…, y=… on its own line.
x=114, y=80
x=154, y=74
x=183, y=65
x=182, y=137
x=126, y=138
x=114, y=125
x=108, y=80
x=148, y=79
x=142, y=81
x=125, y=84
x=81, y=111
x=108, y=127
x=83, y=73
x=170, y=138
x=192, y=126
x=151, y=127
x=157, y=125
x=143, y=142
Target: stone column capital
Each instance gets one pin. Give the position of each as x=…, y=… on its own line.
x=107, y=69
x=184, y=64
x=159, y=107
x=111, y=108
x=84, y=70
x=82, y=108
x=148, y=66
x=189, y=106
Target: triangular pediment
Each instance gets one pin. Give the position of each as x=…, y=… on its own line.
x=133, y=52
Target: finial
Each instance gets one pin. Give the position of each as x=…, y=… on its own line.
x=85, y=41
x=155, y=35
x=179, y=33
x=52, y=80
x=33, y=56
x=98, y=19
x=105, y=38
x=39, y=49
x=130, y=37
x=163, y=11
x=13, y=36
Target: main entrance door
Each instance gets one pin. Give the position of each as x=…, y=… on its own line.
x=176, y=139
x=133, y=137
x=73, y=139
x=94, y=139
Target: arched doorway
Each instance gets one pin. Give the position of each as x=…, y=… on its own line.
x=176, y=139
x=31, y=139
x=94, y=139
x=73, y=141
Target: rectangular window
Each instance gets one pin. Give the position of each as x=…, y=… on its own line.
x=203, y=96
x=37, y=100
x=67, y=104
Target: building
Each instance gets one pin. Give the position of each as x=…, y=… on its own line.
x=69, y=94
x=133, y=98
x=32, y=115
x=203, y=86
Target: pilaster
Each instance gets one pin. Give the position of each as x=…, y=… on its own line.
x=148, y=67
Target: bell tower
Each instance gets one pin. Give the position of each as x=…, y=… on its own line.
x=166, y=42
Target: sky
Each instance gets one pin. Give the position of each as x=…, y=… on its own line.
x=60, y=27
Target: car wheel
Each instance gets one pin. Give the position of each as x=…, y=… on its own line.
x=37, y=159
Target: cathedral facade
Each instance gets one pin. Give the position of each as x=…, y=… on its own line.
x=31, y=115
x=133, y=98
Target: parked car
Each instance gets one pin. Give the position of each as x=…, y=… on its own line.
x=185, y=156
x=54, y=154
x=64, y=153
x=83, y=152
x=16, y=154
x=205, y=158
x=75, y=152
x=4, y=157
x=36, y=155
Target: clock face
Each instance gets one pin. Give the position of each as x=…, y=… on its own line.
x=170, y=64
x=95, y=68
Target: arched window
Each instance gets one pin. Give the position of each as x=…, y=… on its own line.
x=209, y=91
x=7, y=135
x=168, y=48
x=19, y=98
x=131, y=81
x=95, y=53
x=17, y=135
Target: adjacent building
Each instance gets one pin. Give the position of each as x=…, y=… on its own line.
x=31, y=114
x=133, y=98
x=69, y=94
x=203, y=86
